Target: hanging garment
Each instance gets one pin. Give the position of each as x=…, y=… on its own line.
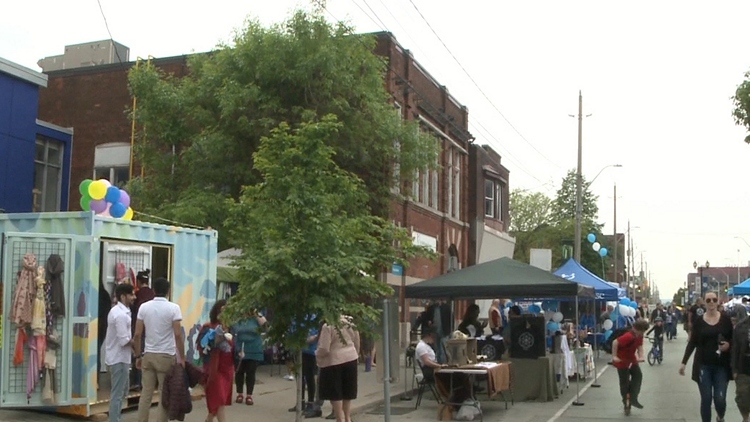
x=50, y=384
x=23, y=297
x=32, y=377
x=20, y=341
x=55, y=269
x=48, y=308
x=39, y=314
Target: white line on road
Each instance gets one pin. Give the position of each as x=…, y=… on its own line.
x=570, y=403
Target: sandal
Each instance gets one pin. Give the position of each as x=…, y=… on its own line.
x=249, y=400
x=240, y=398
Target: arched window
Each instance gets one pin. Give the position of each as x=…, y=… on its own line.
x=112, y=162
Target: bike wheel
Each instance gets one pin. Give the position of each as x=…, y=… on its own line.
x=651, y=358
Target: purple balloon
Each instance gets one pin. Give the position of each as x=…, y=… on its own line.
x=98, y=205
x=124, y=198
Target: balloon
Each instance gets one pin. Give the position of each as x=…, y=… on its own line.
x=633, y=305
x=106, y=182
x=557, y=317
x=623, y=310
x=117, y=210
x=113, y=194
x=632, y=312
x=607, y=335
x=596, y=246
x=624, y=301
x=105, y=213
x=124, y=198
x=97, y=190
x=591, y=238
x=128, y=214
x=84, y=187
x=607, y=325
x=603, y=252
x=98, y=205
x=86, y=203
x=534, y=309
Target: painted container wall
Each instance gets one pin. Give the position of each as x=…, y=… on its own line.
x=79, y=235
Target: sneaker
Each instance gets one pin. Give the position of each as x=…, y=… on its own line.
x=293, y=409
x=290, y=377
x=287, y=376
x=313, y=412
x=332, y=416
x=635, y=404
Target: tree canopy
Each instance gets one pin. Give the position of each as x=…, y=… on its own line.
x=528, y=210
x=741, y=101
x=564, y=205
x=199, y=133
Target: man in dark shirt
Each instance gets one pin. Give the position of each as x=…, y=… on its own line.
x=144, y=294
x=659, y=312
x=696, y=311
x=658, y=330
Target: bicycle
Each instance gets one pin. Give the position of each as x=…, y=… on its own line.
x=655, y=354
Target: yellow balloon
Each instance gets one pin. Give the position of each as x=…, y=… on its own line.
x=128, y=214
x=98, y=189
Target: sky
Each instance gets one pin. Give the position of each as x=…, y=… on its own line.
x=656, y=77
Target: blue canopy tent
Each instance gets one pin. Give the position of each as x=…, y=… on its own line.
x=742, y=288
x=578, y=274
x=621, y=292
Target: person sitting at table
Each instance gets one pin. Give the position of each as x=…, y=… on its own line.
x=427, y=361
x=470, y=325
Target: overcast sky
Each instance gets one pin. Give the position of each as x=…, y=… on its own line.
x=657, y=78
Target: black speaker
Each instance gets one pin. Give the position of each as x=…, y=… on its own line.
x=527, y=337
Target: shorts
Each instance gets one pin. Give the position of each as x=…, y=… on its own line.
x=339, y=382
x=742, y=397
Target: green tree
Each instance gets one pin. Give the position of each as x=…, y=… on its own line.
x=741, y=99
x=198, y=133
x=564, y=205
x=310, y=245
x=528, y=210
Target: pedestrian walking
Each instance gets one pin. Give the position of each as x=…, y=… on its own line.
x=337, y=354
x=118, y=348
x=162, y=348
x=220, y=371
x=710, y=338
x=144, y=294
x=740, y=360
x=627, y=352
x=249, y=353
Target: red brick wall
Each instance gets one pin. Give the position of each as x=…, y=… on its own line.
x=94, y=101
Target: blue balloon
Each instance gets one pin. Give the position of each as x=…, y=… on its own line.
x=591, y=238
x=607, y=335
x=633, y=305
x=603, y=252
x=113, y=195
x=624, y=301
x=117, y=210
x=534, y=309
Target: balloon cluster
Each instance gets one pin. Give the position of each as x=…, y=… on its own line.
x=596, y=245
x=104, y=199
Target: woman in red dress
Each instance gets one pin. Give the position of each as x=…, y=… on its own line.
x=220, y=368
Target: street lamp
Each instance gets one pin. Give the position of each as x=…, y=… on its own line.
x=700, y=274
x=579, y=200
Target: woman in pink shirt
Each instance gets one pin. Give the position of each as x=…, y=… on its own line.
x=337, y=354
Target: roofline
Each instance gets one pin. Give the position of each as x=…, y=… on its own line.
x=115, y=67
x=23, y=73
x=48, y=125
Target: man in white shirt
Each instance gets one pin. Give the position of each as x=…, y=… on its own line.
x=118, y=348
x=425, y=353
x=165, y=342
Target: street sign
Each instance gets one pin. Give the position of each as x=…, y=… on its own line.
x=397, y=269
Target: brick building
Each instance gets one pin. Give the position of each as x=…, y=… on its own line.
x=444, y=208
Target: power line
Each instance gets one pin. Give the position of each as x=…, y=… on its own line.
x=106, y=25
x=478, y=87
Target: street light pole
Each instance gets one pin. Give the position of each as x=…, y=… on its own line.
x=615, y=272
x=579, y=182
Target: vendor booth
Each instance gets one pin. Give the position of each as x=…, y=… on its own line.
x=742, y=288
x=81, y=257
x=502, y=278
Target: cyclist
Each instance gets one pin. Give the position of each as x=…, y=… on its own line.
x=627, y=351
x=658, y=330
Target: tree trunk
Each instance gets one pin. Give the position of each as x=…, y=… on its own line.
x=298, y=381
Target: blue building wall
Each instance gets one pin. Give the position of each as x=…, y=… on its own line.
x=19, y=104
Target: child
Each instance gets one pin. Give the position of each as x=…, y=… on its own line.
x=658, y=330
x=627, y=351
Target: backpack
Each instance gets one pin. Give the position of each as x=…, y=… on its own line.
x=616, y=333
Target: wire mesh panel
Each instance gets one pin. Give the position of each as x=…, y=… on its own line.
x=22, y=385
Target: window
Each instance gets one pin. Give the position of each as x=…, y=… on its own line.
x=489, y=198
x=47, y=174
x=426, y=184
x=396, y=184
x=449, y=179
x=457, y=184
x=112, y=162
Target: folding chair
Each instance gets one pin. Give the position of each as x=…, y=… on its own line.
x=425, y=379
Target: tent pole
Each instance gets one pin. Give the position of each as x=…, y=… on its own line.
x=595, y=352
x=578, y=401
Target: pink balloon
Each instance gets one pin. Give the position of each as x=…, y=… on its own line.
x=98, y=205
x=124, y=198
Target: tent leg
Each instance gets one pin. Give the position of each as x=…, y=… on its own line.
x=578, y=401
x=595, y=384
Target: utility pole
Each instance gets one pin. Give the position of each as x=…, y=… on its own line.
x=628, y=252
x=615, y=272
x=579, y=182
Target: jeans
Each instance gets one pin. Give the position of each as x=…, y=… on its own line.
x=246, y=375
x=712, y=383
x=119, y=377
x=630, y=382
x=154, y=368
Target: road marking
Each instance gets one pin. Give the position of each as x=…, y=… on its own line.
x=570, y=403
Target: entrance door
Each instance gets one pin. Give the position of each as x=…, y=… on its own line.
x=20, y=372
